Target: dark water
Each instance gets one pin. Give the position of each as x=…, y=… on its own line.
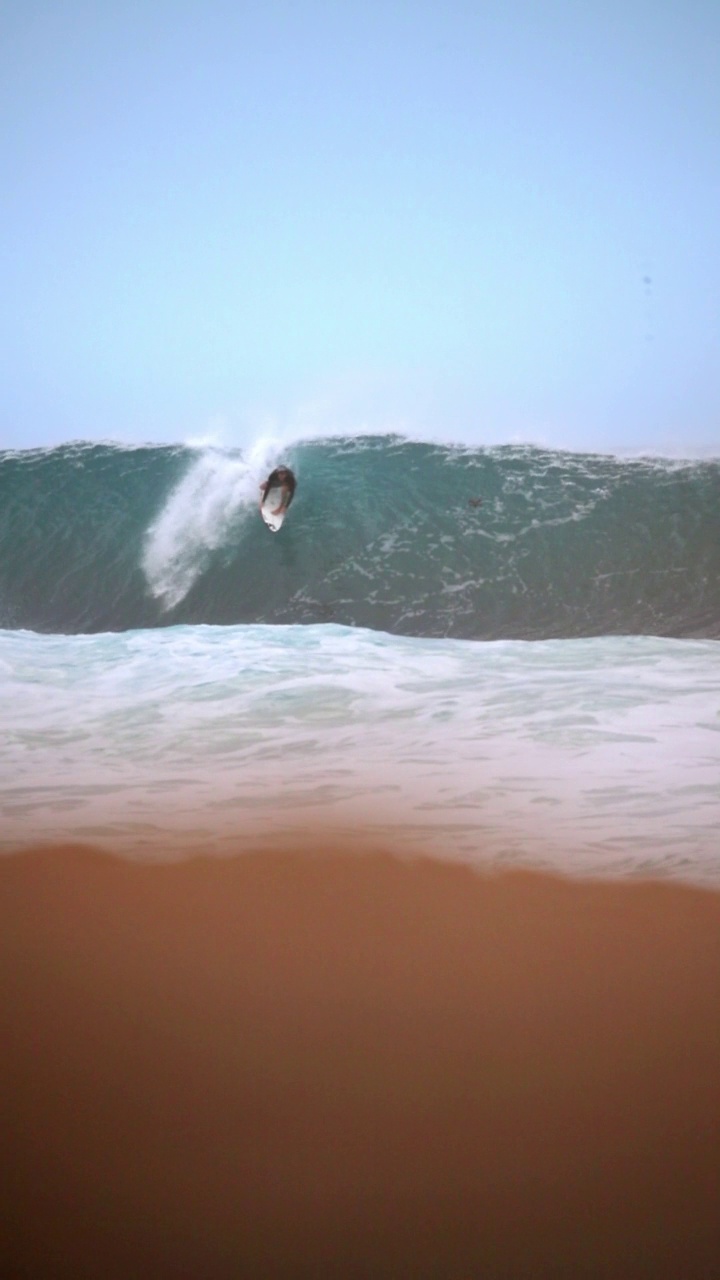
x=407, y=537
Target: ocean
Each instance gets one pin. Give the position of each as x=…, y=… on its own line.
x=502, y=655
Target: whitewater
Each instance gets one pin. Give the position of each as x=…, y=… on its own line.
x=503, y=656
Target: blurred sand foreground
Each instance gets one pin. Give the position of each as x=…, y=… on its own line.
x=355, y=1066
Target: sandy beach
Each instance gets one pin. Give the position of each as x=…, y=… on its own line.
x=331, y=1065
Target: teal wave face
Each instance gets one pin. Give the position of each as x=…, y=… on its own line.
x=401, y=536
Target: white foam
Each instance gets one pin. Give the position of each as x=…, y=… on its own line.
x=200, y=516
x=597, y=756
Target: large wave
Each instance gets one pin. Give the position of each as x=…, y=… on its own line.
x=411, y=538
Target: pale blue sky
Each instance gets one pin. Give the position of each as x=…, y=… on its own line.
x=477, y=221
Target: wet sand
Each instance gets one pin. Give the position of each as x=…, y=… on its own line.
x=355, y=1066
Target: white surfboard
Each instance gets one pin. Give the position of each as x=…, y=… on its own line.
x=272, y=499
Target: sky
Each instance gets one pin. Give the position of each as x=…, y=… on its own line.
x=483, y=221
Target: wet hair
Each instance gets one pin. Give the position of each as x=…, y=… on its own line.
x=282, y=474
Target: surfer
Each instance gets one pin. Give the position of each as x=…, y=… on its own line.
x=281, y=478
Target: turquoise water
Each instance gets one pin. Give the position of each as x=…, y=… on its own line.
x=389, y=534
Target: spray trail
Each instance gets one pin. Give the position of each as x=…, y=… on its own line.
x=200, y=516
